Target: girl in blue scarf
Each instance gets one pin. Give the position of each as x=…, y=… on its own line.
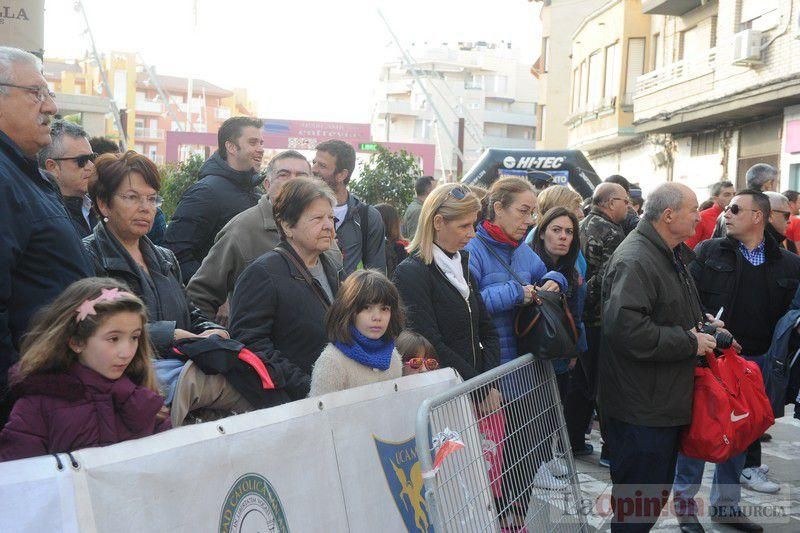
x=362, y=325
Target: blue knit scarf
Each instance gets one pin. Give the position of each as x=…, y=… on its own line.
x=372, y=353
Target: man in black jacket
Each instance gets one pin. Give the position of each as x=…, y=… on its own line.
x=40, y=252
x=753, y=280
x=70, y=160
x=647, y=355
x=226, y=188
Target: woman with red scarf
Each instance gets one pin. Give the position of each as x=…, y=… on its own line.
x=498, y=248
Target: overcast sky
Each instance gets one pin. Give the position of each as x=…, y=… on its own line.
x=301, y=59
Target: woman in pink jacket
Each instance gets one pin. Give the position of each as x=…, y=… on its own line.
x=84, y=378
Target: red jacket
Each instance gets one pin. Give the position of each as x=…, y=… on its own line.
x=705, y=228
x=58, y=413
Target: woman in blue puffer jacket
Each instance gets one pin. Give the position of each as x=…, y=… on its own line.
x=497, y=249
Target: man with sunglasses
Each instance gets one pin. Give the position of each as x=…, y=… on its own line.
x=40, y=252
x=69, y=159
x=753, y=280
x=780, y=214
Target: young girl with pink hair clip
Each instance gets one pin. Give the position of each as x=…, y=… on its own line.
x=84, y=378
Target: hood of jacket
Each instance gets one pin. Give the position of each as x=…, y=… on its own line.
x=217, y=166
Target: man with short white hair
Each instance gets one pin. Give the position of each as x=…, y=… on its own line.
x=69, y=159
x=40, y=252
x=648, y=347
x=779, y=214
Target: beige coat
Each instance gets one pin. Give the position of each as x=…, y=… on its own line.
x=334, y=371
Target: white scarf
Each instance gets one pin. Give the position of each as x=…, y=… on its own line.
x=452, y=270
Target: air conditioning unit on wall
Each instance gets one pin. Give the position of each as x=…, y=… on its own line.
x=747, y=48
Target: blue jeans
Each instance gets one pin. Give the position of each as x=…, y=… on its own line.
x=725, y=490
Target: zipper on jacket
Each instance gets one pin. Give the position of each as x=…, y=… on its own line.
x=469, y=310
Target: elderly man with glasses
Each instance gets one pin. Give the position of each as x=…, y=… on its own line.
x=69, y=159
x=40, y=251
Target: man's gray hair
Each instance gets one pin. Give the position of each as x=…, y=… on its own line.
x=58, y=130
x=286, y=154
x=759, y=174
x=9, y=57
x=776, y=199
x=665, y=196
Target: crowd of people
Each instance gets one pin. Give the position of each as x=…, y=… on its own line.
x=115, y=325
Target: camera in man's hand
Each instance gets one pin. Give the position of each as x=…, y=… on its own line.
x=724, y=339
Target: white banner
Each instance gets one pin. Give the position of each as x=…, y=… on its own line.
x=341, y=462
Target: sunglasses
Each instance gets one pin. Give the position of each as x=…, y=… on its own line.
x=417, y=362
x=786, y=214
x=459, y=193
x=80, y=160
x=735, y=209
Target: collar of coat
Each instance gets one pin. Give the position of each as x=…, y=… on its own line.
x=333, y=272
x=115, y=258
x=265, y=207
x=648, y=231
x=23, y=162
x=772, y=250
x=600, y=213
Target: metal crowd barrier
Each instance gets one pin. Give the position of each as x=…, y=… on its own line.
x=485, y=467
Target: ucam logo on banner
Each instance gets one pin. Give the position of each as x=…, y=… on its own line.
x=340, y=462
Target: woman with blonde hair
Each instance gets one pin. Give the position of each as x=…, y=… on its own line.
x=441, y=298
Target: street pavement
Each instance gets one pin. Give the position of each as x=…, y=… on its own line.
x=781, y=454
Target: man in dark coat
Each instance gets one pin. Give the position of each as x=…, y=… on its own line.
x=40, y=251
x=226, y=188
x=647, y=355
x=753, y=280
x=69, y=159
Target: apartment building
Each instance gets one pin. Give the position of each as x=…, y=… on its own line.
x=139, y=93
x=482, y=83
x=559, y=20
x=713, y=85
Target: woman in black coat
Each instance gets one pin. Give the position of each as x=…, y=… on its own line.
x=442, y=301
x=280, y=300
x=126, y=195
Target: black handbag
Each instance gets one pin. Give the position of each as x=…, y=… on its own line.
x=545, y=327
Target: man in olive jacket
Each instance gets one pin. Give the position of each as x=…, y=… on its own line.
x=648, y=346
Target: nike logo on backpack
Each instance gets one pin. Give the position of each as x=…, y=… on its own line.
x=736, y=418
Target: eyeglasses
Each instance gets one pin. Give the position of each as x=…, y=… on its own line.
x=80, y=160
x=40, y=91
x=627, y=201
x=786, y=214
x=735, y=209
x=417, y=362
x=132, y=199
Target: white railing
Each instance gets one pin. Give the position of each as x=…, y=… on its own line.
x=147, y=106
x=148, y=133
x=678, y=72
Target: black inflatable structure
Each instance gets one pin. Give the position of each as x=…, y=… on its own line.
x=567, y=167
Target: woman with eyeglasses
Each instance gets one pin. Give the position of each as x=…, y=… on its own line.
x=125, y=195
x=442, y=301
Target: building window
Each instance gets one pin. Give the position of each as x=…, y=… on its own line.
x=576, y=84
x=545, y=53
x=595, y=89
x=657, y=52
x=705, y=144
x=635, y=67
x=584, y=84
x=423, y=128
x=611, y=85
x=473, y=82
x=690, y=42
x=759, y=15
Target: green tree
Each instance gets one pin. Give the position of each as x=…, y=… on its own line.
x=176, y=178
x=387, y=178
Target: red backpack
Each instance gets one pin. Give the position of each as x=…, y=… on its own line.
x=730, y=409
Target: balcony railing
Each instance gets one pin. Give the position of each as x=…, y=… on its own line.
x=678, y=72
x=148, y=106
x=148, y=133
